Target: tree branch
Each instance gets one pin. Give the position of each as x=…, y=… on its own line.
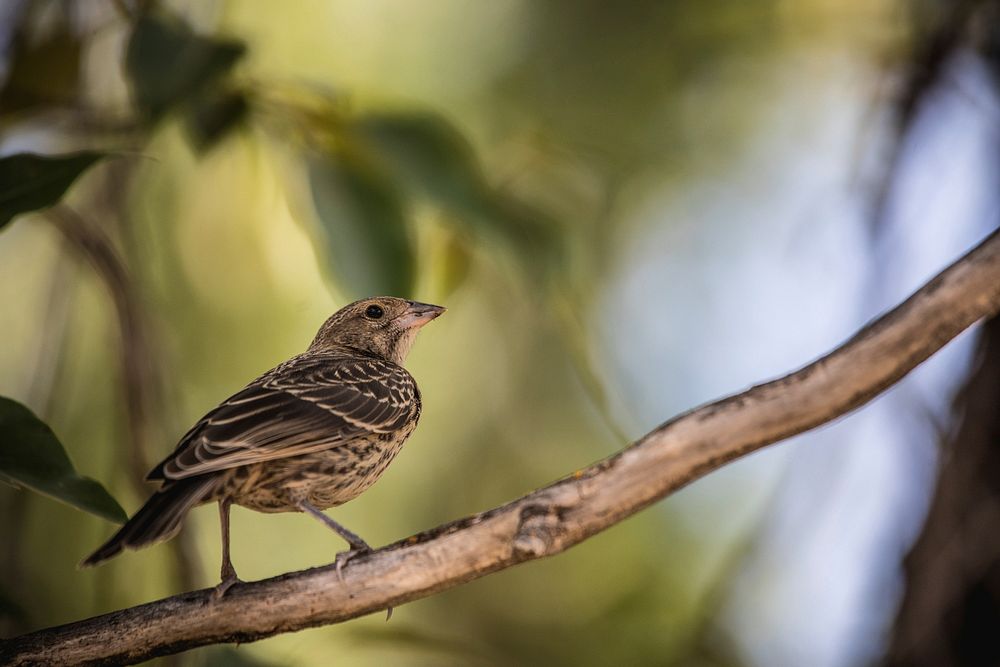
x=558, y=516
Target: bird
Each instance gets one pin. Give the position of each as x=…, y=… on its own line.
x=310, y=434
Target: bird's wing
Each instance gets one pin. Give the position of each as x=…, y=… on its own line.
x=308, y=404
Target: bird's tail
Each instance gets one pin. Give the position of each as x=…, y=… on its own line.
x=159, y=519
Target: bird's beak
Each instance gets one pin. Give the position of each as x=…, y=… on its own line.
x=417, y=315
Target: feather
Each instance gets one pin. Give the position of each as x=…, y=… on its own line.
x=313, y=402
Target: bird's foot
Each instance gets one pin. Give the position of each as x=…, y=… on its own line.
x=344, y=557
x=224, y=585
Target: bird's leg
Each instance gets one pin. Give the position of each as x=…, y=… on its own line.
x=228, y=571
x=356, y=542
x=358, y=545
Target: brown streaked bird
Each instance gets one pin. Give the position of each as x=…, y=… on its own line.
x=310, y=434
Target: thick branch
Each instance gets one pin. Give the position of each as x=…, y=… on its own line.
x=558, y=516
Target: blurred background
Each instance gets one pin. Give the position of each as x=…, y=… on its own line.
x=628, y=208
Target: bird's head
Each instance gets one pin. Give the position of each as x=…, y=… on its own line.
x=383, y=325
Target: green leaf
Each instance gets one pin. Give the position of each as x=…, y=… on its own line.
x=427, y=153
x=167, y=62
x=432, y=158
x=363, y=225
x=31, y=456
x=213, y=116
x=29, y=182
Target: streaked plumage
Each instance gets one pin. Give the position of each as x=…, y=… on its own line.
x=310, y=434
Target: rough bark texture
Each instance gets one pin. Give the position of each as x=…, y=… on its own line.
x=556, y=517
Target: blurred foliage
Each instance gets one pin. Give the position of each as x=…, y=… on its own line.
x=428, y=155
x=364, y=225
x=214, y=115
x=32, y=456
x=168, y=63
x=496, y=156
x=41, y=71
x=31, y=182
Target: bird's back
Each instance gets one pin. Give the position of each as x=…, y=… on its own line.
x=320, y=427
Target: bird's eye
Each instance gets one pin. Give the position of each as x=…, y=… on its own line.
x=374, y=312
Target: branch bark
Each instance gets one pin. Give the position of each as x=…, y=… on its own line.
x=554, y=518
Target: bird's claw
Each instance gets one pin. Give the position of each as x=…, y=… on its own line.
x=344, y=557
x=225, y=585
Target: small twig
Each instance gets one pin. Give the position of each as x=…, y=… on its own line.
x=557, y=517
x=591, y=379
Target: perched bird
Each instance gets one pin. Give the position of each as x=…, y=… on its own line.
x=310, y=434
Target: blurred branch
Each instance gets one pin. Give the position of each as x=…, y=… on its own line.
x=137, y=373
x=50, y=358
x=558, y=516
x=98, y=249
x=929, y=64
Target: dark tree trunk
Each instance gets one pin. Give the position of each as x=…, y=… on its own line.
x=950, y=614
